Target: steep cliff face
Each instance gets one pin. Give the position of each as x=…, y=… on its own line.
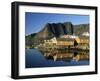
x=68, y=28
x=55, y=30
x=45, y=32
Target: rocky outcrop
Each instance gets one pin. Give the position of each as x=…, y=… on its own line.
x=55, y=30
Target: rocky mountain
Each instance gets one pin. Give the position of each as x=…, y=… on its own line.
x=55, y=30
x=80, y=29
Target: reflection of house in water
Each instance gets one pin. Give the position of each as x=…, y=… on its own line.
x=59, y=56
x=62, y=56
x=79, y=57
x=68, y=56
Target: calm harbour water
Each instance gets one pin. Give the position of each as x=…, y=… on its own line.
x=35, y=59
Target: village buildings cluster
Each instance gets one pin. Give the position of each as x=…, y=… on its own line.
x=66, y=41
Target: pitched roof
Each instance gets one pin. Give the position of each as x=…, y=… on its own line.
x=65, y=39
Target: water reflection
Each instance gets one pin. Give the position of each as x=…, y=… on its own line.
x=35, y=58
x=66, y=55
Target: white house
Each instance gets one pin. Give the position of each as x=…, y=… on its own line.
x=86, y=34
x=54, y=40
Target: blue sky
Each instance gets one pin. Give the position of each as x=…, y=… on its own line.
x=34, y=22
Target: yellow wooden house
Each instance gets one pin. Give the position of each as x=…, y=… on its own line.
x=65, y=42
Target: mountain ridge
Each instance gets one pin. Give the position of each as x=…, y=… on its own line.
x=51, y=30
